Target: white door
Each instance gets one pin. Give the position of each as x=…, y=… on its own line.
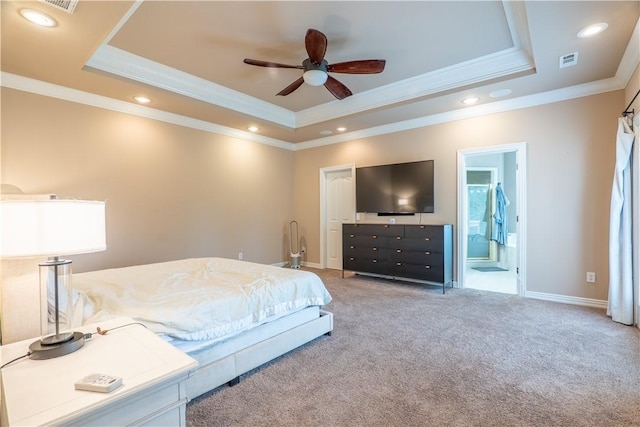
x=339, y=203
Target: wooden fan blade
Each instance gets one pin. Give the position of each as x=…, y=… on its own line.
x=316, y=44
x=270, y=64
x=365, y=66
x=338, y=90
x=293, y=86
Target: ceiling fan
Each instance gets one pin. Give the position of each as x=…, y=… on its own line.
x=316, y=68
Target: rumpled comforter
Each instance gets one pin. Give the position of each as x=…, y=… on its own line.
x=198, y=298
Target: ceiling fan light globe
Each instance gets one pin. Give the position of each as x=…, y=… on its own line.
x=315, y=77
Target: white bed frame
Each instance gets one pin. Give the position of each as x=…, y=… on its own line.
x=225, y=362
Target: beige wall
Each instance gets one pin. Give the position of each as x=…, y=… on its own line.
x=571, y=149
x=171, y=192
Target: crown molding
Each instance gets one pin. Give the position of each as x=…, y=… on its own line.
x=38, y=87
x=500, y=64
x=25, y=84
x=124, y=64
x=558, y=95
x=630, y=58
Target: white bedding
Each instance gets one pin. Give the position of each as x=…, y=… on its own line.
x=200, y=298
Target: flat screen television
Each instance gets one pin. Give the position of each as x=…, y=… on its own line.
x=397, y=189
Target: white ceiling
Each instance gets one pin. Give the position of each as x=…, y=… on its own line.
x=187, y=57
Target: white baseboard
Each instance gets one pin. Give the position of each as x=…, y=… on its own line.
x=312, y=265
x=567, y=299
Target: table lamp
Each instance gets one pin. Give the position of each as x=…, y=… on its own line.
x=53, y=228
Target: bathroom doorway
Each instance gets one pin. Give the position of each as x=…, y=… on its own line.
x=491, y=196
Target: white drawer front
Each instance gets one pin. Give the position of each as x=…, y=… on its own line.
x=138, y=409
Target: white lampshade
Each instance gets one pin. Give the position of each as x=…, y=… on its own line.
x=51, y=227
x=315, y=77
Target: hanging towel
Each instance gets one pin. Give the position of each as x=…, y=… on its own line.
x=499, y=230
x=620, y=305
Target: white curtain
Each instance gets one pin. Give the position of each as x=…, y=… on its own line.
x=621, y=299
x=635, y=186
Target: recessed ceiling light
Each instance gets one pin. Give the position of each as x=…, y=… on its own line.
x=500, y=93
x=325, y=132
x=253, y=129
x=38, y=18
x=470, y=100
x=592, y=30
x=341, y=129
x=142, y=99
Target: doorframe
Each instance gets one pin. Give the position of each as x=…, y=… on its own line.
x=324, y=172
x=520, y=148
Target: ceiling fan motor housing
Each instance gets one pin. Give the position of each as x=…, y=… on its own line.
x=309, y=65
x=315, y=74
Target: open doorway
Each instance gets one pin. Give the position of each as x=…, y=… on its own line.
x=491, y=197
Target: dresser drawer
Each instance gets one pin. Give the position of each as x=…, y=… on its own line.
x=421, y=244
x=417, y=257
x=371, y=241
x=373, y=230
x=365, y=265
x=365, y=251
x=137, y=409
x=431, y=273
x=421, y=231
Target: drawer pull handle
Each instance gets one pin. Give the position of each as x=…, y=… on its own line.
x=375, y=260
x=427, y=239
x=375, y=249
x=398, y=263
x=398, y=250
x=351, y=235
x=427, y=253
x=351, y=258
x=398, y=238
x=386, y=226
x=375, y=237
x=352, y=247
x=427, y=267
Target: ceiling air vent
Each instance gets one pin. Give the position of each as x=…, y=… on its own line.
x=67, y=5
x=569, y=60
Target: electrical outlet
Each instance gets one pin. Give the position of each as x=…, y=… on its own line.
x=591, y=277
x=240, y=255
x=303, y=249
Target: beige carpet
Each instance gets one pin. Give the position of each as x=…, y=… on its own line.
x=403, y=354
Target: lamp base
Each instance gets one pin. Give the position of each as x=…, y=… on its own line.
x=42, y=351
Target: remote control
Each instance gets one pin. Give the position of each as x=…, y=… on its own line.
x=99, y=382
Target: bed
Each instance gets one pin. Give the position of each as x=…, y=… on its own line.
x=231, y=316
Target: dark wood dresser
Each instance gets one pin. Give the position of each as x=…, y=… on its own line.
x=397, y=251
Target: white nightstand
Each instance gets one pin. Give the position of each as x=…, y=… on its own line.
x=41, y=392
